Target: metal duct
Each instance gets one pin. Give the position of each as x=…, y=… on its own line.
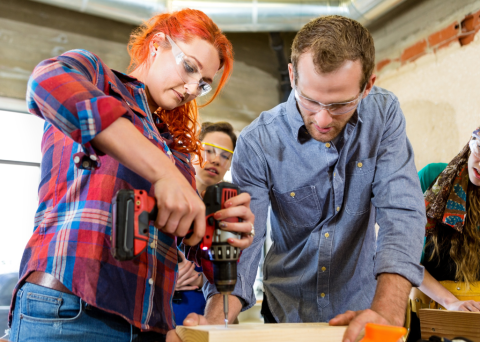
x=235, y=16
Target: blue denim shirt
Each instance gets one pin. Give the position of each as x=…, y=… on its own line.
x=325, y=199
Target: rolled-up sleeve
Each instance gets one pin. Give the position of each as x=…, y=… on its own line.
x=398, y=200
x=249, y=173
x=67, y=91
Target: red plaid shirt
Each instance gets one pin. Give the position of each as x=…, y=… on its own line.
x=79, y=96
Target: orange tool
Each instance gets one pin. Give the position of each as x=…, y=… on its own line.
x=382, y=333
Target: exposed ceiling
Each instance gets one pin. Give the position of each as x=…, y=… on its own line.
x=235, y=15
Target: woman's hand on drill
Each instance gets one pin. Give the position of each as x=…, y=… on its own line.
x=238, y=206
x=178, y=207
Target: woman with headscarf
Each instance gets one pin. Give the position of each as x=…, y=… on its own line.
x=452, y=250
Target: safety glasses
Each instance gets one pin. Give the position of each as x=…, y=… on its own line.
x=333, y=108
x=188, y=71
x=475, y=143
x=212, y=153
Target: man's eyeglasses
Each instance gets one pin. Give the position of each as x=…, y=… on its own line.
x=333, y=108
x=188, y=71
x=211, y=151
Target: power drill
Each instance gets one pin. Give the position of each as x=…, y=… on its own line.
x=134, y=209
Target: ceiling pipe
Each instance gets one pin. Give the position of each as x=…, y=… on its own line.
x=235, y=16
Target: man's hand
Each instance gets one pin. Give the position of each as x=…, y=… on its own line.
x=388, y=307
x=192, y=319
x=188, y=278
x=356, y=321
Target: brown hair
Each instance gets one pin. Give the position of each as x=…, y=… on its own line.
x=182, y=25
x=333, y=40
x=224, y=127
x=465, y=246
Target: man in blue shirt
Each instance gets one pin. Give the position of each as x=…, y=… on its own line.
x=331, y=162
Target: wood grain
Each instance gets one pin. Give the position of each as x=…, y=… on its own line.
x=285, y=332
x=450, y=324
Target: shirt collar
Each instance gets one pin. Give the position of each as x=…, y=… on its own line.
x=127, y=78
x=295, y=119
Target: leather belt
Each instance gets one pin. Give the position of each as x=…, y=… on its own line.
x=47, y=280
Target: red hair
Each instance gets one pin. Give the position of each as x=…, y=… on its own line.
x=182, y=25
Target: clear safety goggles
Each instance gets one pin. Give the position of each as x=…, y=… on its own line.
x=475, y=143
x=333, y=108
x=217, y=153
x=188, y=71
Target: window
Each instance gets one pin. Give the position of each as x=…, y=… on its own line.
x=20, y=156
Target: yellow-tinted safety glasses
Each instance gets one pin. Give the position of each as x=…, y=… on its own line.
x=211, y=152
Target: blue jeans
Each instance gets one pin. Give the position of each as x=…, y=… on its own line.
x=42, y=314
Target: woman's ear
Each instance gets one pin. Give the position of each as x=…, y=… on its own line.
x=155, y=43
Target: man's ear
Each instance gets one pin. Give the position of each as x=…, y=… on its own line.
x=291, y=73
x=369, y=86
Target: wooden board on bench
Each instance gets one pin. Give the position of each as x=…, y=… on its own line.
x=450, y=324
x=284, y=332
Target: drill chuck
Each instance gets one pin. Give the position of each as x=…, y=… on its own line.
x=225, y=275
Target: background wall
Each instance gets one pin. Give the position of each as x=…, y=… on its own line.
x=31, y=32
x=428, y=54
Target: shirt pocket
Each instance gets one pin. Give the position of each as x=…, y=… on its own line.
x=358, y=185
x=299, y=207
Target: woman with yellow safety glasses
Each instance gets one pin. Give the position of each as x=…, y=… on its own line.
x=218, y=142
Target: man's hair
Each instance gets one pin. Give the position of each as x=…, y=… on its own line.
x=224, y=127
x=332, y=40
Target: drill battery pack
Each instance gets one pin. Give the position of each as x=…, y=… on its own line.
x=132, y=212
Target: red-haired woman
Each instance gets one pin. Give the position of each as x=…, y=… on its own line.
x=107, y=131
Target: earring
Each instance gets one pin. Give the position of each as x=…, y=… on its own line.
x=153, y=53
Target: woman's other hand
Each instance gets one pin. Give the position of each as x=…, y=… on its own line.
x=188, y=279
x=238, y=206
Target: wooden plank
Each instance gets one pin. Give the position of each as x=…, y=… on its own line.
x=450, y=324
x=284, y=332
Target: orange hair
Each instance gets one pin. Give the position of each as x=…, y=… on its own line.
x=182, y=25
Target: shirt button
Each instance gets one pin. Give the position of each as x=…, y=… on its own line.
x=86, y=164
x=334, y=174
x=338, y=208
x=152, y=245
x=76, y=160
x=292, y=194
x=324, y=269
x=327, y=145
x=327, y=235
x=93, y=157
x=322, y=295
x=150, y=281
x=360, y=164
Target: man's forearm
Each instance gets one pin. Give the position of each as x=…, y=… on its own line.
x=214, y=309
x=391, y=297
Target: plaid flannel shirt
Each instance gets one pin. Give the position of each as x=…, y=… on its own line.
x=79, y=96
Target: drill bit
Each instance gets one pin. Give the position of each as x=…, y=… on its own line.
x=225, y=309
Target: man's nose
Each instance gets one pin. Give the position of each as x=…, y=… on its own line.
x=323, y=118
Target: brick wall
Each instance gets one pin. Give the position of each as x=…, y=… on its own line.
x=435, y=73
